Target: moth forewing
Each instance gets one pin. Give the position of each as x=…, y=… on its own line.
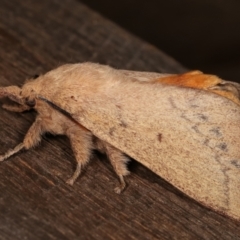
x=198, y=151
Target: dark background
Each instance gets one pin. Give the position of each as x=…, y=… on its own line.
x=200, y=34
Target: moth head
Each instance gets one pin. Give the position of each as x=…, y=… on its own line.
x=30, y=101
x=28, y=95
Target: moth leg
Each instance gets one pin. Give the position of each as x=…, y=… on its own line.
x=31, y=139
x=118, y=160
x=81, y=142
x=10, y=152
x=12, y=92
x=34, y=134
x=16, y=108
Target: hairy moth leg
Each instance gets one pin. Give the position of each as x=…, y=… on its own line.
x=12, y=92
x=16, y=108
x=81, y=142
x=118, y=160
x=31, y=139
x=10, y=152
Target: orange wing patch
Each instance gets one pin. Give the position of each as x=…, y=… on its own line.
x=194, y=79
x=198, y=80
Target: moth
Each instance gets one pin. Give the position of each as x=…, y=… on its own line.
x=184, y=127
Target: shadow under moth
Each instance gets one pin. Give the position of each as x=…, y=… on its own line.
x=184, y=127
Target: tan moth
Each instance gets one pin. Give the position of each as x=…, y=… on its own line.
x=185, y=128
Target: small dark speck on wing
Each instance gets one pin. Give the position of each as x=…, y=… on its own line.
x=236, y=163
x=216, y=131
x=123, y=124
x=203, y=117
x=223, y=146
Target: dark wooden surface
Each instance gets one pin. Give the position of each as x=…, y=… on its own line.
x=200, y=34
x=35, y=202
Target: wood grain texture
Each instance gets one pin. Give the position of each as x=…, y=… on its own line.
x=35, y=202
